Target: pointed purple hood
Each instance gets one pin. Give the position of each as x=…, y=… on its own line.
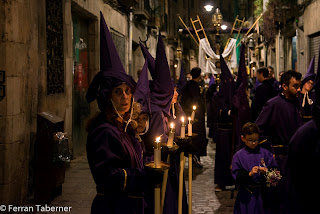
x=182, y=79
x=150, y=59
x=212, y=81
x=242, y=71
x=310, y=75
x=163, y=89
x=227, y=85
x=112, y=72
x=142, y=93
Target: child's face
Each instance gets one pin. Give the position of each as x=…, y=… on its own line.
x=251, y=141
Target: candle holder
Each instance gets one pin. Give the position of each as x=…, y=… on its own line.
x=185, y=144
x=163, y=166
x=170, y=150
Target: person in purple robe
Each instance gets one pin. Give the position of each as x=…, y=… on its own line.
x=249, y=166
x=280, y=116
x=162, y=96
x=114, y=154
x=278, y=121
x=303, y=161
x=222, y=112
x=263, y=93
x=190, y=97
x=306, y=95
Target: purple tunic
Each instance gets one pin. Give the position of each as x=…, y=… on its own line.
x=242, y=163
x=115, y=160
x=278, y=120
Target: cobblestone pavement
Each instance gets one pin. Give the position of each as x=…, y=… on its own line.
x=204, y=198
x=79, y=189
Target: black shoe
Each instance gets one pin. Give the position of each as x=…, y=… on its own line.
x=196, y=162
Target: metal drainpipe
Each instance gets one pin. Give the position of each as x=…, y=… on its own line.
x=130, y=41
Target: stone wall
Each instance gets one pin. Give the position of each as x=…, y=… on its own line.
x=20, y=59
x=23, y=58
x=311, y=25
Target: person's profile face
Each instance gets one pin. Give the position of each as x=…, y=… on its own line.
x=121, y=97
x=308, y=85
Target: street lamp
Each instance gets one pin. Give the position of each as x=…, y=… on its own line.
x=208, y=7
x=217, y=20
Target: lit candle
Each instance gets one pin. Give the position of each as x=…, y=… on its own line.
x=189, y=127
x=183, y=128
x=193, y=112
x=171, y=135
x=157, y=153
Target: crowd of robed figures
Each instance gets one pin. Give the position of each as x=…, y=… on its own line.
x=286, y=115
x=121, y=136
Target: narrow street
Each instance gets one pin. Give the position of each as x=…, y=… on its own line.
x=79, y=189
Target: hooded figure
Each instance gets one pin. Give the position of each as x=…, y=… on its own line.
x=222, y=118
x=161, y=95
x=306, y=95
x=114, y=154
x=304, y=155
x=162, y=91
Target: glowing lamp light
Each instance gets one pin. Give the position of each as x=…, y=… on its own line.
x=224, y=27
x=208, y=7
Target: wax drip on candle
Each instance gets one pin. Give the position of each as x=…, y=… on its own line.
x=189, y=127
x=171, y=135
x=157, y=153
x=183, y=128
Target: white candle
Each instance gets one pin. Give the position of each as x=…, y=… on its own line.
x=157, y=153
x=189, y=127
x=193, y=112
x=183, y=128
x=171, y=135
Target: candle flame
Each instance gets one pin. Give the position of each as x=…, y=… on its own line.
x=158, y=140
x=172, y=125
x=182, y=119
x=194, y=107
x=189, y=118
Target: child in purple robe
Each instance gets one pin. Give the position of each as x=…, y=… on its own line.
x=249, y=166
